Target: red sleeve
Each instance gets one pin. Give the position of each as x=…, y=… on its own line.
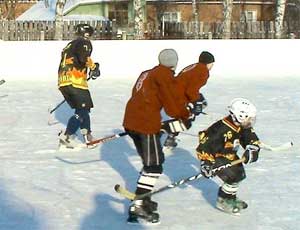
x=166, y=85
x=195, y=80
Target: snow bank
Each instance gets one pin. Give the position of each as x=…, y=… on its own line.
x=38, y=60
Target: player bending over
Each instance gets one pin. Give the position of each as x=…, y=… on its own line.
x=219, y=144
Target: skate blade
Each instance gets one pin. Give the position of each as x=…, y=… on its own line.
x=63, y=148
x=92, y=146
x=167, y=150
x=230, y=213
x=143, y=222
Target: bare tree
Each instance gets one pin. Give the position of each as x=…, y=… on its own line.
x=292, y=17
x=10, y=9
x=59, y=9
x=280, y=10
x=195, y=19
x=227, y=15
x=139, y=19
x=46, y=2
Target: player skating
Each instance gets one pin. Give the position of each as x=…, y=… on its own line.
x=72, y=82
x=152, y=92
x=219, y=144
x=188, y=84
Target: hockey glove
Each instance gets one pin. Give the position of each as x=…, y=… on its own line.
x=188, y=122
x=198, y=106
x=95, y=73
x=206, y=168
x=174, y=126
x=251, y=153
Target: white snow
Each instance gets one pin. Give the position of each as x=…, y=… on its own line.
x=43, y=189
x=39, y=11
x=37, y=60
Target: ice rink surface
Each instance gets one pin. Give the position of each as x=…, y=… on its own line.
x=44, y=189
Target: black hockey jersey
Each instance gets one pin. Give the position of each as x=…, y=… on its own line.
x=75, y=59
x=223, y=139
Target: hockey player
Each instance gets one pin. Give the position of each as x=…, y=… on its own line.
x=142, y=120
x=188, y=84
x=72, y=83
x=219, y=144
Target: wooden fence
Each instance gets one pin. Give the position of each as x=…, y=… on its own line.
x=45, y=30
x=239, y=30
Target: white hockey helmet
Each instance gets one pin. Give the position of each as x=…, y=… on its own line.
x=168, y=58
x=243, y=112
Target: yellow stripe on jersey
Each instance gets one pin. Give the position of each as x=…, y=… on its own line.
x=204, y=156
x=74, y=77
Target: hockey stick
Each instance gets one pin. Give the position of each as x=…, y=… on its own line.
x=132, y=196
x=52, y=120
x=5, y=95
x=282, y=147
x=262, y=145
x=57, y=106
x=108, y=138
x=2, y=81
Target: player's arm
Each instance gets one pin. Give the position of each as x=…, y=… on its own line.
x=250, y=142
x=210, y=143
x=84, y=56
x=167, y=91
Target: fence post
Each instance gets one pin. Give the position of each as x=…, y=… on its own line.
x=272, y=30
x=254, y=30
x=201, y=29
x=1, y=29
x=112, y=29
x=5, y=31
x=42, y=35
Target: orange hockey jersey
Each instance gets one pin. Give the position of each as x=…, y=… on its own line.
x=153, y=90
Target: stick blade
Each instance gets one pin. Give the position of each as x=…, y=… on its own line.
x=282, y=147
x=124, y=192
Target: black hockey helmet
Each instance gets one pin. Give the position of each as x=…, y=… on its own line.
x=83, y=29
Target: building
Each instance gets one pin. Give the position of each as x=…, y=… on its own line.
x=155, y=11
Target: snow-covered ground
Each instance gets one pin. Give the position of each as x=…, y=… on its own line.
x=42, y=188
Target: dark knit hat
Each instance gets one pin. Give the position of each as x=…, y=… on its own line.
x=206, y=57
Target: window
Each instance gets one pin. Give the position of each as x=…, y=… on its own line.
x=171, y=17
x=251, y=16
x=119, y=11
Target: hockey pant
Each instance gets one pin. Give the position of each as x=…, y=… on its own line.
x=149, y=148
x=231, y=177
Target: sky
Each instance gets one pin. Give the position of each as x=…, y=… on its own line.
x=42, y=188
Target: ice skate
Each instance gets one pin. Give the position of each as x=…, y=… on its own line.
x=67, y=142
x=170, y=142
x=149, y=204
x=140, y=213
x=228, y=205
x=241, y=204
x=88, y=137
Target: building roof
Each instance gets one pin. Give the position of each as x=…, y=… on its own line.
x=39, y=11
